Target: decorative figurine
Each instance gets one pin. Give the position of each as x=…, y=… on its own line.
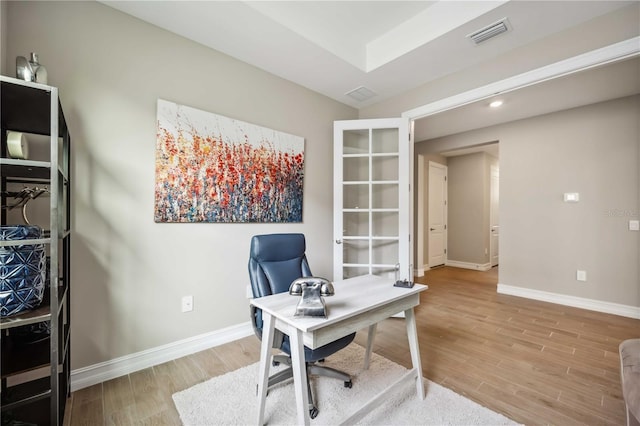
x=311, y=289
x=31, y=70
x=23, y=69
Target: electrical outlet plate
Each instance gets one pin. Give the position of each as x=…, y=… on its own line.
x=581, y=275
x=187, y=303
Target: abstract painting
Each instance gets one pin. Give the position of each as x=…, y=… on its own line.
x=210, y=168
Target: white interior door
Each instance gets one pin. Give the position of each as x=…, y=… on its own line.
x=372, y=198
x=494, y=216
x=437, y=211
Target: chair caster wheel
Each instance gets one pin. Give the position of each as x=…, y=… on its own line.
x=313, y=413
x=275, y=363
x=348, y=384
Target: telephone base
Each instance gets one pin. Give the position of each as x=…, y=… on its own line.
x=403, y=284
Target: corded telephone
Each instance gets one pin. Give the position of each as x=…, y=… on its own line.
x=311, y=290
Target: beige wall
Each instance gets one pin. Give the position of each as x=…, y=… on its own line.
x=593, y=150
x=128, y=272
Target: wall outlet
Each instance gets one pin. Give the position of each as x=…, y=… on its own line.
x=634, y=225
x=581, y=275
x=187, y=303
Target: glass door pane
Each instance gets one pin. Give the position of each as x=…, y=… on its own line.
x=371, y=198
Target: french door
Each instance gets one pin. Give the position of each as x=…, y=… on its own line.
x=372, y=198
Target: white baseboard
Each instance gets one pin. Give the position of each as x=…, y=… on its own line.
x=468, y=265
x=98, y=373
x=574, y=301
x=419, y=272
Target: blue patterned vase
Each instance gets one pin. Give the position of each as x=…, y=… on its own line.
x=22, y=270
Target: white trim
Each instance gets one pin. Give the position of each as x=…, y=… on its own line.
x=468, y=265
x=419, y=219
x=574, y=301
x=494, y=171
x=419, y=272
x=614, y=52
x=103, y=371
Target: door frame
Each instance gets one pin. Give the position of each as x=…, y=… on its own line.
x=493, y=170
x=613, y=53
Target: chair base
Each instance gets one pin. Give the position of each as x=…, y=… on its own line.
x=312, y=369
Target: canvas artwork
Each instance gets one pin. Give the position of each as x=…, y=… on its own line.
x=210, y=168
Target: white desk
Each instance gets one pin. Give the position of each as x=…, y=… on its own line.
x=359, y=302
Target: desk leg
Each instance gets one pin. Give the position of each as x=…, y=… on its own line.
x=412, y=334
x=300, y=376
x=370, y=336
x=268, y=333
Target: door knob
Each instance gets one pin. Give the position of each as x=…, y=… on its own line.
x=338, y=241
x=432, y=229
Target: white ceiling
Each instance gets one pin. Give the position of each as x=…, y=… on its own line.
x=390, y=47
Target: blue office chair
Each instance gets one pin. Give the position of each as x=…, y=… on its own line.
x=275, y=261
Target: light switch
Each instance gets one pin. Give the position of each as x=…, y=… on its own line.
x=571, y=197
x=634, y=225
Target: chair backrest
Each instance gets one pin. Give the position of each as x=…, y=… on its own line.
x=275, y=261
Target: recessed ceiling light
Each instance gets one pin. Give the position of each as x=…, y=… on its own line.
x=495, y=104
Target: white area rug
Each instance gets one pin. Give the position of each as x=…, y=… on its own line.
x=231, y=399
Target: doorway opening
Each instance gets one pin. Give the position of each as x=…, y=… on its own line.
x=552, y=75
x=457, y=208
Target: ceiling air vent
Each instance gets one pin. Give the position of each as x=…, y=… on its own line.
x=361, y=94
x=490, y=31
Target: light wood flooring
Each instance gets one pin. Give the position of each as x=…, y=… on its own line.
x=537, y=363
